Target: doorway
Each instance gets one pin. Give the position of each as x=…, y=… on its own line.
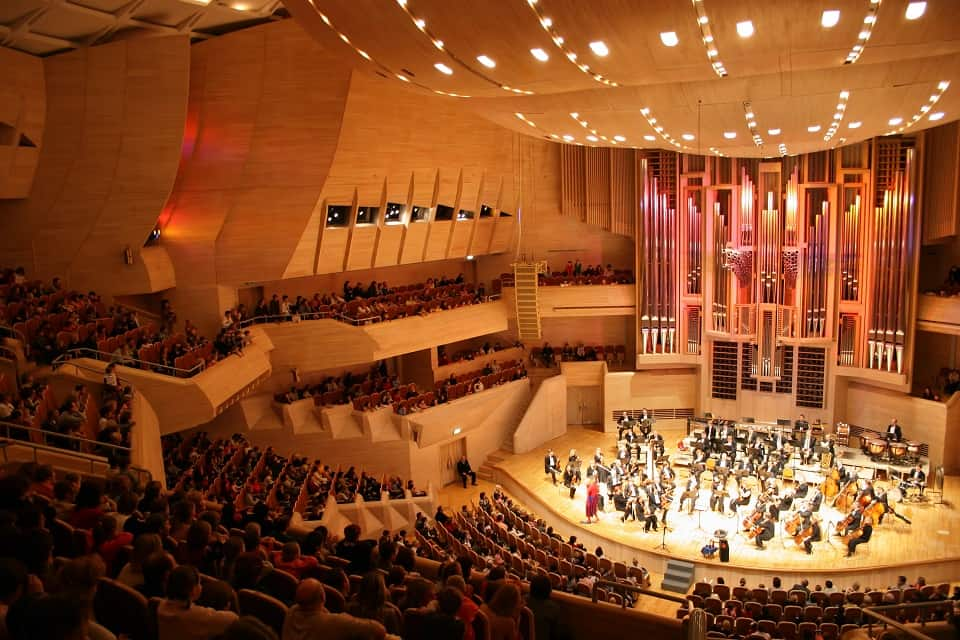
x=449, y=455
x=585, y=405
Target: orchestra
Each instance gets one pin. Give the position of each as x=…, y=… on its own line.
x=738, y=470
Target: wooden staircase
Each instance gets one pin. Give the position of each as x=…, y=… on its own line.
x=525, y=276
x=486, y=471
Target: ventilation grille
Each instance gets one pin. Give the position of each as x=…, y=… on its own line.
x=785, y=383
x=724, y=370
x=811, y=371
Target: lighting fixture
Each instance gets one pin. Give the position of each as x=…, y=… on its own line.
x=854, y=125
x=619, y=138
x=729, y=135
x=592, y=138
x=243, y=6
x=599, y=48
x=830, y=18
x=486, y=61
x=444, y=69
x=813, y=128
x=773, y=132
x=651, y=120
x=539, y=54
x=838, y=116
x=669, y=38
x=751, y=119
x=568, y=137
x=942, y=87
x=869, y=24
x=894, y=121
x=649, y=138
x=706, y=35
x=745, y=28
x=915, y=10
x=687, y=136
x=525, y=119
x=933, y=117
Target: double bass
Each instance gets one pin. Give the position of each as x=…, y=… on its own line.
x=846, y=497
x=831, y=486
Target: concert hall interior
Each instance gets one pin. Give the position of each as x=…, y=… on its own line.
x=533, y=319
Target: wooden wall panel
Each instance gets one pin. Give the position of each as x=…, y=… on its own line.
x=942, y=149
x=448, y=186
x=23, y=110
x=489, y=193
x=111, y=143
x=305, y=252
x=333, y=249
x=438, y=240
x=573, y=195
x=388, y=245
x=586, y=301
x=598, y=186
x=470, y=183
x=503, y=234
x=363, y=239
x=661, y=389
x=424, y=187
x=414, y=242
x=460, y=238
x=622, y=191
x=482, y=236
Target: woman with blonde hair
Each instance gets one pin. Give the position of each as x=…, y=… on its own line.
x=503, y=610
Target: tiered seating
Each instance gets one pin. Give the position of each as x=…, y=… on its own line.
x=595, y=276
x=464, y=384
x=612, y=354
x=365, y=390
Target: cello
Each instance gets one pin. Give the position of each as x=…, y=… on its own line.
x=792, y=526
x=831, y=486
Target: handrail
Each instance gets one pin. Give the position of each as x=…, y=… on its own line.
x=929, y=604
x=82, y=352
x=635, y=589
x=13, y=333
x=5, y=425
x=283, y=317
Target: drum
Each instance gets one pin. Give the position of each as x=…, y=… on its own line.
x=843, y=433
x=894, y=495
x=898, y=449
x=876, y=447
x=913, y=448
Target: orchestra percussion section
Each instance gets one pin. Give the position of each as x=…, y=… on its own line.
x=675, y=300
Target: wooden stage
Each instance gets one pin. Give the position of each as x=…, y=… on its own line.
x=929, y=547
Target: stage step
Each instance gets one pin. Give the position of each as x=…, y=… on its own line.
x=678, y=577
x=485, y=472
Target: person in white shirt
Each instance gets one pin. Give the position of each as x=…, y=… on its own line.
x=178, y=618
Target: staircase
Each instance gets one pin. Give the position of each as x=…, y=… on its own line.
x=678, y=577
x=485, y=472
x=525, y=291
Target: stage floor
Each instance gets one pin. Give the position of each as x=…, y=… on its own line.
x=931, y=543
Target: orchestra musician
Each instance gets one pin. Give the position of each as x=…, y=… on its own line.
x=764, y=531
x=571, y=477
x=894, y=432
x=811, y=534
x=741, y=500
x=551, y=465
x=917, y=478
x=864, y=535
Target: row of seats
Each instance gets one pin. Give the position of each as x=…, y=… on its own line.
x=724, y=592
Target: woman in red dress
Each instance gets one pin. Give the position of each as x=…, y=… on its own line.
x=593, y=499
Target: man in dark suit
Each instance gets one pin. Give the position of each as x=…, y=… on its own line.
x=863, y=538
x=767, y=529
x=551, y=465
x=463, y=468
x=813, y=536
x=894, y=432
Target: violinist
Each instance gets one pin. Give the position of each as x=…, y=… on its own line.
x=811, y=534
x=551, y=465
x=786, y=501
x=852, y=522
x=815, y=499
x=764, y=531
x=649, y=516
x=571, y=477
x=690, y=493
x=864, y=535
x=719, y=493
x=741, y=500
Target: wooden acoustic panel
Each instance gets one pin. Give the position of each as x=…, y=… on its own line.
x=438, y=240
x=388, y=245
x=460, y=238
x=503, y=234
x=363, y=240
x=414, y=242
x=942, y=176
x=482, y=237
x=333, y=249
x=22, y=119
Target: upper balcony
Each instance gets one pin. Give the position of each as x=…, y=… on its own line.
x=938, y=314
x=581, y=301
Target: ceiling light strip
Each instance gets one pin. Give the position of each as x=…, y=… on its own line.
x=421, y=26
x=718, y=152
x=838, y=115
x=614, y=140
x=547, y=24
x=866, y=30
x=645, y=112
x=925, y=108
x=709, y=42
x=384, y=69
x=752, y=125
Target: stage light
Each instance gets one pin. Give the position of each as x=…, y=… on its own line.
x=687, y=136
x=650, y=138
x=894, y=121
x=729, y=135
x=539, y=54
x=773, y=132
x=745, y=29
x=936, y=116
x=444, y=69
x=568, y=137
x=486, y=61
x=619, y=138
x=599, y=48
x=915, y=10
x=830, y=18
x=592, y=138
x=813, y=128
x=854, y=125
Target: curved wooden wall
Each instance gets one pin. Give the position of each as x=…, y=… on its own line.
x=114, y=126
x=22, y=116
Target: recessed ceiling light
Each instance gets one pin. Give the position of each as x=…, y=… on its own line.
x=486, y=61
x=813, y=128
x=619, y=138
x=729, y=135
x=943, y=85
x=854, y=125
x=745, y=28
x=936, y=116
x=547, y=22
x=568, y=137
x=592, y=138
x=773, y=132
x=864, y=35
x=669, y=38
x=830, y=18
x=539, y=54
x=915, y=10
x=599, y=48
x=894, y=121
x=649, y=138
x=687, y=136
x=421, y=23
x=444, y=69
x=243, y=6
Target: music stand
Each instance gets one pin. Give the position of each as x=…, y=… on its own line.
x=663, y=535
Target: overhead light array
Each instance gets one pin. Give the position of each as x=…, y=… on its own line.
x=782, y=148
x=601, y=51
x=838, y=115
x=384, y=69
x=706, y=34
x=866, y=30
x=526, y=120
x=645, y=112
x=942, y=87
x=594, y=135
x=717, y=152
x=485, y=60
x=751, y=119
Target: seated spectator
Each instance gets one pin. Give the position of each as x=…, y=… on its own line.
x=144, y=545
x=503, y=610
x=546, y=612
x=178, y=618
x=107, y=541
x=442, y=622
x=48, y=617
x=358, y=552
x=290, y=560
x=373, y=603
x=308, y=619
x=79, y=579
x=156, y=571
